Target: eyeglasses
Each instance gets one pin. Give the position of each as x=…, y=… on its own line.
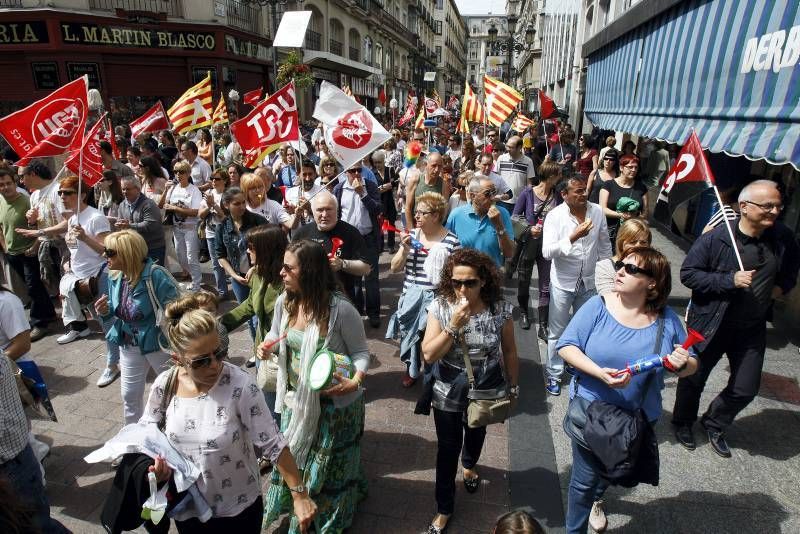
x=468, y=283
x=422, y=213
x=769, y=206
x=631, y=269
x=288, y=268
x=489, y=193
x=66, y=192
x=176, y=171
x=109, y=252
x=217, y=178
x=206, y=359
x=329, y=165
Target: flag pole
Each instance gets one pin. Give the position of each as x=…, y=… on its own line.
x=728, y=226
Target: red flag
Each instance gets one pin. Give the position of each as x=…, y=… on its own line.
x=453, y=102
x=547, y=108
x=410, y=112
x=153, y=120
x=382, y=97
x=271, y=122
x=50, y=126
x=111, y=138
x=90, y=168
x=252, y=97
x=689, y=176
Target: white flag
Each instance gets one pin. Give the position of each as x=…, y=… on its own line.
x=350, y=131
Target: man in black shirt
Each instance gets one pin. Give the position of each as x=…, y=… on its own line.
x=730, y=307
x=349, y=262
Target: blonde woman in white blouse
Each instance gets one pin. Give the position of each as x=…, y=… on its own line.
x=215, y=416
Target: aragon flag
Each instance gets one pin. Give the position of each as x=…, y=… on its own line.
x=689, y=176
x=193, y=109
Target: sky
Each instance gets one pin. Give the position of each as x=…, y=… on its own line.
x=478, y=7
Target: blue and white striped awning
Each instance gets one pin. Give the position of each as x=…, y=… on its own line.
x=730, y=69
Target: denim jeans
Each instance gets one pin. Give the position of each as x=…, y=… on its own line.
x=25, y=477
x=220, y=277
x=158, y=255
x=112, y=349
x=585, y=486
x=241, y=292
x=133, y=368
x=560, y=303
x=187, y=248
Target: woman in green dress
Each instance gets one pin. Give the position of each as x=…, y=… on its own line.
x=323, y=428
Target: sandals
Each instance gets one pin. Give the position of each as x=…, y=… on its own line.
x=433, y=529
x=472, y=484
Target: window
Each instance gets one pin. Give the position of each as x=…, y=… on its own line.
x=438, y=27
x=379, y=55
x=368, y=50
x=439, y=54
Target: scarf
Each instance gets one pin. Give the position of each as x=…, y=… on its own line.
x=304, y=402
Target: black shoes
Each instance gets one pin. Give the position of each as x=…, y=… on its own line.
x=524, y=321
x=718, y=443
x=375, y=322
x=685, y=436
x=543, y=333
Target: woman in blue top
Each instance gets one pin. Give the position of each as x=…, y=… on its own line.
x=128, y=303
x=604, y=336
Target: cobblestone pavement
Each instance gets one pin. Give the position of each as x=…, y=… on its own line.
x=524, y=463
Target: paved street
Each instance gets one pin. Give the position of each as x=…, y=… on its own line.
x=525, y=463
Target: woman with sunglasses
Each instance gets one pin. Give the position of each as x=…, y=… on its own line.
x=626, y=185
x=468, y=312
x=423, y=267
x=328, y=170
x=323, y=428
x=608, y=170
x=259, y=203
x=128, y=307
x=632, y=233
x=266, y=245
x=215, y=415
x=211, y=211
x=604, y=336
x=183, y=199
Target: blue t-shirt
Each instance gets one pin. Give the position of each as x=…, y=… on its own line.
x=478, y=232
x=609, y=344
x=367, y=174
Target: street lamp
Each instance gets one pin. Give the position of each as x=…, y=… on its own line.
x=506, y=46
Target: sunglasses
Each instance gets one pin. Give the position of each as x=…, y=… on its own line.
x=217, y=178
x=631, y=268
x=354, y=171
x=66, y=192
x=109, y=252
x=205, y=360
x=468, y=283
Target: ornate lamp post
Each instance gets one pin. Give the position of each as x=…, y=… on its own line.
x=511, y=44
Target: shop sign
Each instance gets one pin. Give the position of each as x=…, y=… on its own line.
x=243, y=47
x=12, y=33
x=324, y=74
x=106, y=35
x=92, y=70
x=45, y=76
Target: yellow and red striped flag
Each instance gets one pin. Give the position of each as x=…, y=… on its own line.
x=420, y=122
x=221, y=113
x=500, y=100
x=437, y=98
x=521, y=123
x=463, y=126
x=346, y=90
x=471, y=108
x=193, y=109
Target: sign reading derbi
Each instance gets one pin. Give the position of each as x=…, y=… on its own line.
x=775, y=50
x=102, y=35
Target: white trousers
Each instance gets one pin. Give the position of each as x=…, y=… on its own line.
x=133, y=369
x=561, y=302
x=187, y=247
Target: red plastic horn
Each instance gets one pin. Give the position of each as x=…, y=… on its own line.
x=693, y=337
x=269, y=344
x=336, y=244
x=388, y=227
x=283, y=193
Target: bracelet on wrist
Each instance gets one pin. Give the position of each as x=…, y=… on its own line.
x=452, y=332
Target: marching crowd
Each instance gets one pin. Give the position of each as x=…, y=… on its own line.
x=296, y=242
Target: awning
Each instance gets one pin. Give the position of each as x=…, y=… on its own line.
x=329, y=61
x=722, y=67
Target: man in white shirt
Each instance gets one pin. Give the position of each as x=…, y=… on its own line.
x=575, y=238
x=297, y=197
x=359, y=205
x=504, y=193
x=516, y=169
x=200, y=169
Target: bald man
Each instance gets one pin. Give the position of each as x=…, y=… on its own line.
x=515, y=168
x=431, y=180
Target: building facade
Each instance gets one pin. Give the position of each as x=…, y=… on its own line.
x=558, y=32
x=451, y=48
x=527, y=63
x=480, y=59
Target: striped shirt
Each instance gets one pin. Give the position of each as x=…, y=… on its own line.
x=415, y=274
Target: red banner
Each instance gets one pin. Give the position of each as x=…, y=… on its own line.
x=90, y=167
x=50, y=126
x=153, y=120
x=272, y=121
x=252, y=97
x=547, y=108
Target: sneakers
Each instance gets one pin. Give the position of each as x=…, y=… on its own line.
x=108, y=376
x=72, y=335
x=597, y=517
x=553, y=387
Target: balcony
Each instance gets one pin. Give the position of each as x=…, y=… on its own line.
x=336, y=47
x=244, y=16
x=313, y=40
x=10, y=3
x=354, y=55
x=170, y=8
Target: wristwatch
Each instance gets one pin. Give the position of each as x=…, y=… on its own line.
x=500, y=233
x=513, y=391
x=297, y=489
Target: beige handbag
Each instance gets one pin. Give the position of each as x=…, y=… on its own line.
x=267, y=375
x=485, y=406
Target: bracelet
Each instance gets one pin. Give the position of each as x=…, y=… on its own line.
x=344, y=264
x=450, y=331
x=358, y=379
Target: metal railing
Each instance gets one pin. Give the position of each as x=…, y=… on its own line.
x=10, y=3
x=172, y=8
x=313, y=40
x=244, y=16
x=336, y=47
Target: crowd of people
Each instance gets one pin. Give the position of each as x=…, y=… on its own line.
x=296, y=242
